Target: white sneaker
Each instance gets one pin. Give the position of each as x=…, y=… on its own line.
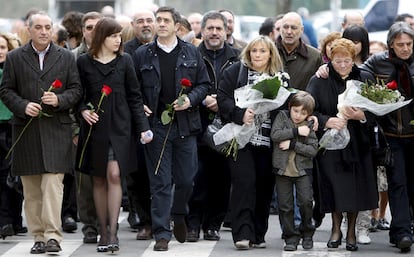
x=363, y=238
x=242, y=244
x=260, y=245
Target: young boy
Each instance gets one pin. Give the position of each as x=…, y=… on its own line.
x=294, y=146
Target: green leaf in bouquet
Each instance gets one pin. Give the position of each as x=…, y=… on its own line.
x=269, y=87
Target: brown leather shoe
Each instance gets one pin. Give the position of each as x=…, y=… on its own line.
x=144, y=233
x=180, y=231
x=38, y=248
x=161, y=245
x=52, y=246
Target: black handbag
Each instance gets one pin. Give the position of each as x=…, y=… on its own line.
x=381, y=151
x=212, y=129
x=217, y=124
x=14, y=182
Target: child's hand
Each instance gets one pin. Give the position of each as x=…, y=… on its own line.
x=304, y=131
x=284, y=145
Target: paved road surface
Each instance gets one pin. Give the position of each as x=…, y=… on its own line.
x=19, y=246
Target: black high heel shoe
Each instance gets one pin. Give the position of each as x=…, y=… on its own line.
x=335, y=243
x=351, y=246
x=102, y=245
x=114, y=246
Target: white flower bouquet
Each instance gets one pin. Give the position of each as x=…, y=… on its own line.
x=266, y=94
x=379, y=99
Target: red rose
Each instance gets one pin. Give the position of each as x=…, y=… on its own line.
x=185, y=82
x=107, y=90
x=55, y=84
x=392, y=85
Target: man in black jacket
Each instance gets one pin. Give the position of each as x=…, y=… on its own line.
x=143, y=24
x=137, y=183
x=208, y=204
x=171, y=157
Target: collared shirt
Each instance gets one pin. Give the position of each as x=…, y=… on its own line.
x=41, y=55
x=166, y=48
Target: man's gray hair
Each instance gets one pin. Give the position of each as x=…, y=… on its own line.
x=399, y=28
x=213, y=15
x=43, y=13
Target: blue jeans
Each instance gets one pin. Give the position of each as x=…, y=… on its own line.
x=178, y=167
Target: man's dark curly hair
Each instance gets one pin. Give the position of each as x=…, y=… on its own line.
x=72, y=21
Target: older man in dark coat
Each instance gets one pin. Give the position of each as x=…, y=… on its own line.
x=43, y=153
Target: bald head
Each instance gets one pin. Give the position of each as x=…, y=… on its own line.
x=291, y=30
x=195, y=21
x=143, y=13
x=353, y=18
x=143, y=24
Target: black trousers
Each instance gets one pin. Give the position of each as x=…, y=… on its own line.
x=209, y=201
x=139, y=190
x=252, y=184
x=304, y=197
x=69, y=205
x=10, y=200
x=400, y=179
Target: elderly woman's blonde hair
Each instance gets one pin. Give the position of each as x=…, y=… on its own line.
x=274, y=64
x=343, y=45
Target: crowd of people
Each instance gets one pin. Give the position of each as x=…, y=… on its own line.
x=96, y=108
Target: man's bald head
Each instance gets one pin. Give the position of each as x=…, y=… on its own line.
x=353, y=18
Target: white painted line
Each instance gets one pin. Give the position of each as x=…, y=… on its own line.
x=203, y=248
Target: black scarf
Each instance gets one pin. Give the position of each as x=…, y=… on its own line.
x=401, y=74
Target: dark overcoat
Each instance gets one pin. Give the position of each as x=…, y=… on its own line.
x=119, y=108
x=46, y=144
x=347, y=181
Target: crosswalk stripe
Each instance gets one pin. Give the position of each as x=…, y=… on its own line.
x=202, y=248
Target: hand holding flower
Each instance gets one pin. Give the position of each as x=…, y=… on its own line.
x=335, y=123
x=167, y=116
x=352, y=113
x=248, y=117
x=50, y=98
x=180, y=104
x=33, y=109
x=90, y=117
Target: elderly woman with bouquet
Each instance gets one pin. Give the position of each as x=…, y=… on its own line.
x=346, y=176
x=251, y=171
